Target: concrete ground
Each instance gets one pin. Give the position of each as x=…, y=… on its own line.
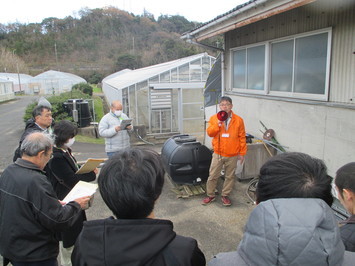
x=215, y=227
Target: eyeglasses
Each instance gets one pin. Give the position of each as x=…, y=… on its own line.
x=224, y=104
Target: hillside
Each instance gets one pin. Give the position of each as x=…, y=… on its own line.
x=99, y=42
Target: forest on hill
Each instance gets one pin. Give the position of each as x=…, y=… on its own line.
x=99, y=42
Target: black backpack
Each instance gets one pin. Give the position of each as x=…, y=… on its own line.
x=17, y=153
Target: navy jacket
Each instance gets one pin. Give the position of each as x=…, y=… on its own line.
x=347, y=232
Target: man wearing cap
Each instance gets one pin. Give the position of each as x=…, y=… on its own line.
x=229, y=146
x=116, y=137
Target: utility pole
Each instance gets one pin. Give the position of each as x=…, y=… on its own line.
x=133, y=44
x=56, y=55
x=18, y=71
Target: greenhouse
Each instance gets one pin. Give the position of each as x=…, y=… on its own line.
x=165, y=98
x=53, y=82
x=6, y=91
x=20, y=81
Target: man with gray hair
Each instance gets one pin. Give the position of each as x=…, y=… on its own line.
x=30, y=212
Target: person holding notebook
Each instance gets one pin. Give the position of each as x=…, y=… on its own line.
x=114, y=129
x=61, y=171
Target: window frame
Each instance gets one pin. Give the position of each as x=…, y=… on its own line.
x=267, y=68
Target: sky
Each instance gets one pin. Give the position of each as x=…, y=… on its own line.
x=34, y=11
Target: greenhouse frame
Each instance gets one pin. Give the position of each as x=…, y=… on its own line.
x=20, y=81
x=53, y=82
x=166, y=98
x=6, y=90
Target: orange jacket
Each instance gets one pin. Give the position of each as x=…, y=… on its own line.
x=231, y=142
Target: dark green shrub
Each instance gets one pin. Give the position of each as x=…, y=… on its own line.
x=84, y=87
x=95, y=78
x=58, y=111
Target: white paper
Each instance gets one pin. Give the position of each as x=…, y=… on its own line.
x=81, y=189
x=240, y=166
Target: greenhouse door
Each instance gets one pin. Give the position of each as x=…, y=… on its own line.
x=161, y=115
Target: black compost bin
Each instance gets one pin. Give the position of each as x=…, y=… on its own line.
x=81, y=107
x=186, y=160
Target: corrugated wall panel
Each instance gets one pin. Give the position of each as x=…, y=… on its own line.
x=343, y=59
x=338, y=15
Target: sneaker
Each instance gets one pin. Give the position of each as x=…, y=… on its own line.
x=226, y=201
x=208, y=200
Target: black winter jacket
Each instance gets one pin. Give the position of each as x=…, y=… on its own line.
x=31, y=127
x=30, y=214
x=63, y=166
x=347, y=232
x=135, y=242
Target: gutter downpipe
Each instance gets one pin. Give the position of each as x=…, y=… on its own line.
x=190, y=40
x=222, y=74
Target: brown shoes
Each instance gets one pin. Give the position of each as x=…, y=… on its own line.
x=208, y=200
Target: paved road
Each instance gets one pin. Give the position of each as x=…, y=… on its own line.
x=217, y=228
x=12, y=126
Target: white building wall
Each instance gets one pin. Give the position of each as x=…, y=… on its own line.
x=326, y=133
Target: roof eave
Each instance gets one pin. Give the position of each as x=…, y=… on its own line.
x=248, y=14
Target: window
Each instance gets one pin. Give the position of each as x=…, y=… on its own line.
x=195, y=70
x=298, y=67
x=249, y=68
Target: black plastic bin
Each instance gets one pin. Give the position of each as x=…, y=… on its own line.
x=83, y=111
x=186, y=160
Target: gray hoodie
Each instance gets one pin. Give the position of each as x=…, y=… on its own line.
x=289, y=232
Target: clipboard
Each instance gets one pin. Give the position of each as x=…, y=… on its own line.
x=81, y=189
x=90, y=165
x=125, y=123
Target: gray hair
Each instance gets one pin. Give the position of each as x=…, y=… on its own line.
x=35, y=143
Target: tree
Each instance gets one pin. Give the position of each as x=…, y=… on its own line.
x=11, y=63
x=127, y=61
x=84, y=87
x=95, y=78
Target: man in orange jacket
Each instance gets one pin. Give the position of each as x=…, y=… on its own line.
x=229, y=145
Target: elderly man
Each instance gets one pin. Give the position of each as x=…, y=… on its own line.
x=116, y=137
x=30, y=212
x=40, y=122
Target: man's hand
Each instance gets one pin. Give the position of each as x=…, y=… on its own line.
x=83, y=202
x=129, y=127
x=117, y=128
x=241, y=158
x=96, y=171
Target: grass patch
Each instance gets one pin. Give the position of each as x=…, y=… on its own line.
x=86, y=139
x=96, y=89
x=99, y=111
